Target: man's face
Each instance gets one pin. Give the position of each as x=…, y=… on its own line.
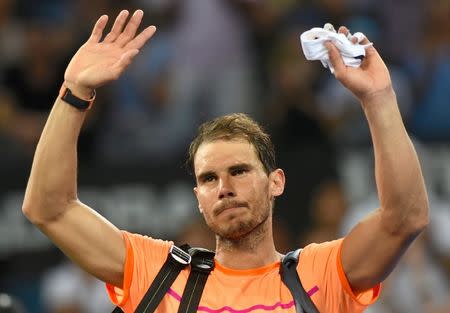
x=234, y=192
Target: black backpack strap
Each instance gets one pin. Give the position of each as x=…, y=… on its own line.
x=117, y=310
x=289, y=276
x=201, y=266
x=177, y=259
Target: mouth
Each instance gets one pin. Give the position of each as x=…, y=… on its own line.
x=229, y=207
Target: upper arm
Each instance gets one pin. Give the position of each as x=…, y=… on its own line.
x=90, y=241
x=371, y=250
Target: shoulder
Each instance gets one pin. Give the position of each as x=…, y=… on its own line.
x=146, y=247
x=318, y=251
x=321, y=273
x=319, y=262
x=144, y=258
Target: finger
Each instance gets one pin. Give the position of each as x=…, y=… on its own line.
x=364, y=41
x=131, y=28
x=139, y=41
x=97, y=31
x=371, y=55
x=370, y=51
x=344, y=30
x=117, y=27
x=123, y=62
x=335, y=58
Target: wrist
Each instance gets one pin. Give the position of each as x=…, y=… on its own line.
x=78, y=97
x=79, y=91
x=381, y=97
x=382, y=109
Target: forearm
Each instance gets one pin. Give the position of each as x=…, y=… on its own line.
x=400, y=184
x=53, y=180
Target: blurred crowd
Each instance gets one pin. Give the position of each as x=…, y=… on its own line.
x=212, y=57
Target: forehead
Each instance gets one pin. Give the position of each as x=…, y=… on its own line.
x=220, y=153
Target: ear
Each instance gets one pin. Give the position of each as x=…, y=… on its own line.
x=277, y=180
x=196, y=195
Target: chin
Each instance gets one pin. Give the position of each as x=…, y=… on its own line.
x=236, y=229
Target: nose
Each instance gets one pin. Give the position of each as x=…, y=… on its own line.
x=226, y=189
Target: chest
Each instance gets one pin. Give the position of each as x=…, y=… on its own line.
x=246, y=294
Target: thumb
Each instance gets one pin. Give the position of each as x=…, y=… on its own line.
x=335, y=58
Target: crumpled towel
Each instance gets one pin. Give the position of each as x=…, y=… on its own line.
x=314, y=49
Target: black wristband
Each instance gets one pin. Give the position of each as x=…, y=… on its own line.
x=67, y=96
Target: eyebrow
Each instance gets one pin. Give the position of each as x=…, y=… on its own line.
x=202, y=176
x=239, y=166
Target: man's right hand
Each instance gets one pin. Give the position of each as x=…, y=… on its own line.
x=51, y=198
x=99, y=62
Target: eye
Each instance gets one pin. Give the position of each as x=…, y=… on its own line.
x=209, y=178
x=239, y=171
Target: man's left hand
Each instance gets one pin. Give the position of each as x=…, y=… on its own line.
x=370, y=80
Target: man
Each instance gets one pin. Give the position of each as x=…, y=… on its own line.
x=237, y=182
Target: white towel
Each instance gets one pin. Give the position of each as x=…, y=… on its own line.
x=314, y=49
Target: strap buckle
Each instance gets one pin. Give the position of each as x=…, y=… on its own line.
x=179, y=255
x=291, y=258
x=202, y=259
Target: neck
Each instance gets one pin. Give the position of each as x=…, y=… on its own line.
x=255, y=249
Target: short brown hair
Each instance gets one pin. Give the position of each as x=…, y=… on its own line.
x=232, y=126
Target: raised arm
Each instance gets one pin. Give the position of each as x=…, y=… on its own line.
x=372, y=249
x=51, y=201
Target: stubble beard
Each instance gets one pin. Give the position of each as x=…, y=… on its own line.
x=244, y=232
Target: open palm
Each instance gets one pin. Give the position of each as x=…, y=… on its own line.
x=98, y=62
